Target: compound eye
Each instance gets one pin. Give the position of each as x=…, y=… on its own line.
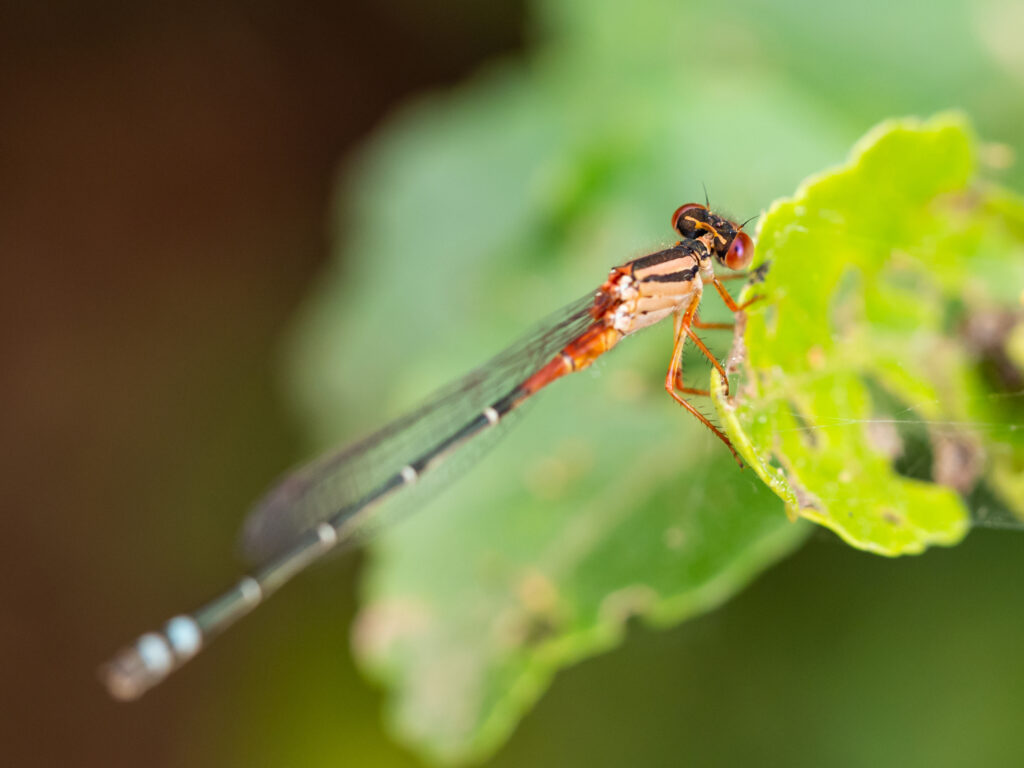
x=681, y=211
x=740, y=252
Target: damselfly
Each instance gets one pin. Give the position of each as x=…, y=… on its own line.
x=329, y=502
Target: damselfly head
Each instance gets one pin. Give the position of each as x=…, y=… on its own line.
x=731, y=245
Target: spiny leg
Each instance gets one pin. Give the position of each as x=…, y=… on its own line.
x=695, y=321
x=730, y=302
x=680, y=385
x=707, y=353
x=682, y=331
x=692, y=391
x=698, y=323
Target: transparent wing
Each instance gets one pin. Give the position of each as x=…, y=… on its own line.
x=318, y=491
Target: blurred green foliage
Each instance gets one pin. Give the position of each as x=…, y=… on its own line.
x=882, y=271
x=473, y=213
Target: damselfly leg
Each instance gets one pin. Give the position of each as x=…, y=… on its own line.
x=674, y=377
x=698, y=323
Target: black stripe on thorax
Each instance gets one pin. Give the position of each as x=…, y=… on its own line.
x=653, y=259
x=683, y=276
x=680, y=250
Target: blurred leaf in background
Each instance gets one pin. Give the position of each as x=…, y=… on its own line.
x=476, y=212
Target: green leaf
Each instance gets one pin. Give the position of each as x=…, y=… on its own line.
x=884, y=275
x=469, y=614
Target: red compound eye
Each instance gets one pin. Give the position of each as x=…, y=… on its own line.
x=682, y=209
x=740, y=252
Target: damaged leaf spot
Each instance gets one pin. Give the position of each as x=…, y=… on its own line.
x=892, y=517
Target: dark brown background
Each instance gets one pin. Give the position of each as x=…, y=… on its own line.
x=164, y=186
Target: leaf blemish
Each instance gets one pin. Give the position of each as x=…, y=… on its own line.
x=382, y=625
x=517, y=628
x=891, y=517
x=883, y=436
x=674, y=537
x=620, y=606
